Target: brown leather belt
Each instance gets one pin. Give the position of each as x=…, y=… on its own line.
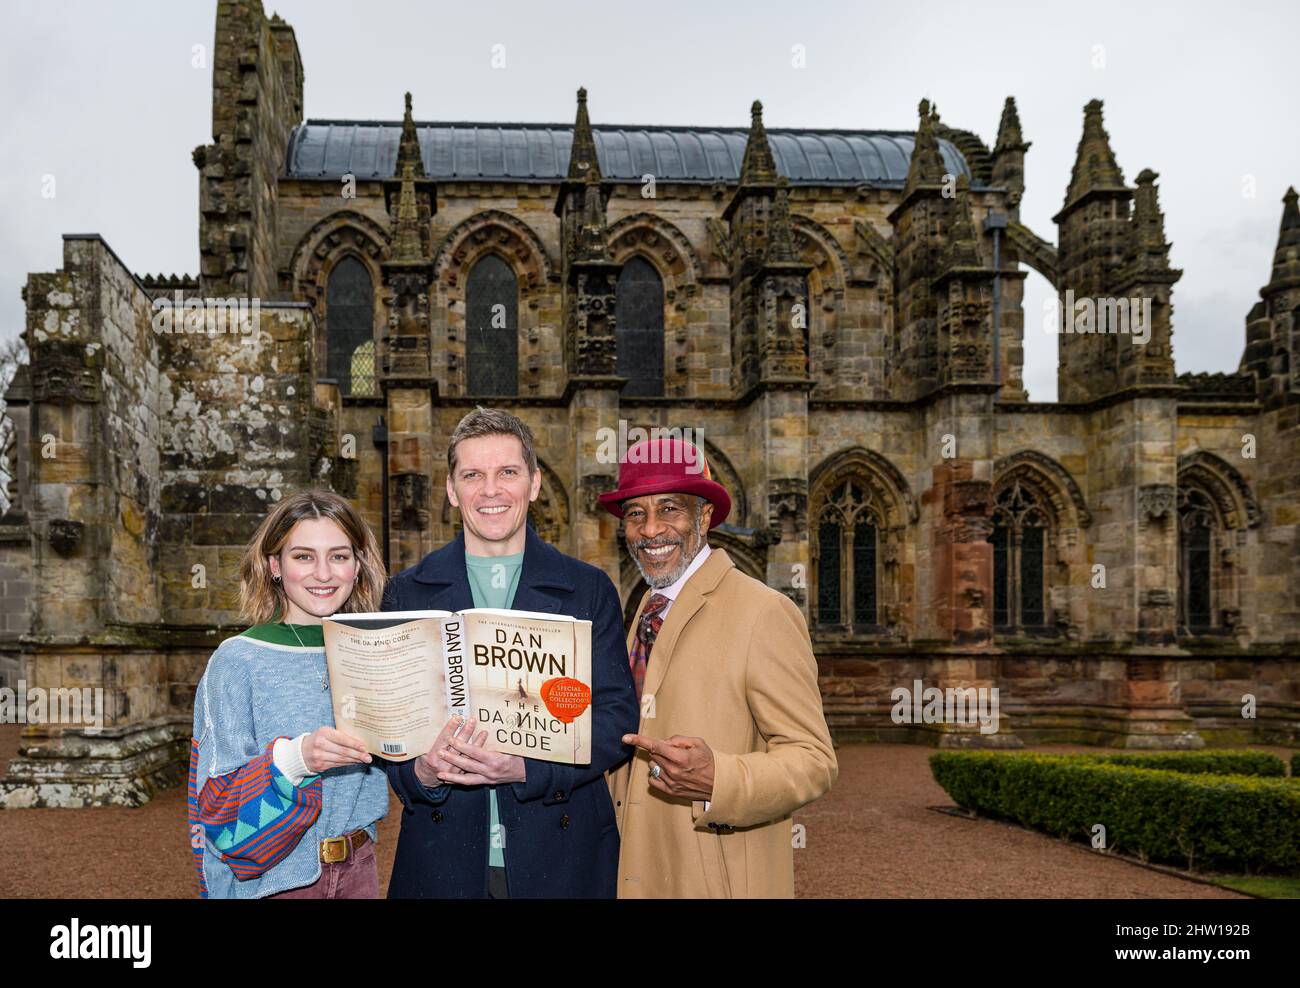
x=337, y=849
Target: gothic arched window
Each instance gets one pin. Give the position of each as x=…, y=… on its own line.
x=492, y=329
x=1020, y=526
x=1197, y=524
x=639, y=328
x=846, y=560
x=350, y=328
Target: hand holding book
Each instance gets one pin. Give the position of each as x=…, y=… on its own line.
x=328, y=747
x=459, y=757
x=471, y=763
x=431, y=764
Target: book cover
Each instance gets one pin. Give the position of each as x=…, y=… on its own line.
x=397, y=677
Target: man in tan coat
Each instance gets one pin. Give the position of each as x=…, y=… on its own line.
x=732, y=738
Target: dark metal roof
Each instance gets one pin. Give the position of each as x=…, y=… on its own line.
x=327, y=149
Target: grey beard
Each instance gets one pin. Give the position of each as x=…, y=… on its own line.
x=675, y=574
x=669, y=578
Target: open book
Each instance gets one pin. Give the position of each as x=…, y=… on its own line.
x=396, y=678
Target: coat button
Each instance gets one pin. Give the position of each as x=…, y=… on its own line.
x=564, y=822
x=559, y=796
x=437, y=816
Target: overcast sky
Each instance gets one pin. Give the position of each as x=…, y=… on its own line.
x=104, y=98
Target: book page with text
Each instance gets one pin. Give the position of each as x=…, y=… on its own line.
x=387, y=683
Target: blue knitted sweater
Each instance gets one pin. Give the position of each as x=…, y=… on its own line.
x=253, y=833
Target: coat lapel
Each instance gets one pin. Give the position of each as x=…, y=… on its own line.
x=689, y=602
x=445, y=581
x=543, y=571
x=454, y=596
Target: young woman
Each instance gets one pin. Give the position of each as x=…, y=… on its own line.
x=281, y=803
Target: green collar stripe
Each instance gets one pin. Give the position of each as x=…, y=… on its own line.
x=308, y=635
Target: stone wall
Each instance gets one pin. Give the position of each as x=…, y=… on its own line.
x=1272, y=550
x=158, y=446
x=15, y=599
x=678, y=231
x=256, y=100
x=16, y=537
x=1049, y=695
x=237, y=413
x=95, y=485
x=94, y=505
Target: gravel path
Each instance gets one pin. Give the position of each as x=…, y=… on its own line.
x=873, y=836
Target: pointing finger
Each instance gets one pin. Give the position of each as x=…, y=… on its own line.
x=642, y=742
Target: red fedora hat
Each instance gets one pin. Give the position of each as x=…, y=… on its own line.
x=667, y=466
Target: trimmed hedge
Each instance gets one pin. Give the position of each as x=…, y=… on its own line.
x=1229, y=762
x=1230, y=822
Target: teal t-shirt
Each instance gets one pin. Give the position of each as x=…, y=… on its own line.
x=493, y=581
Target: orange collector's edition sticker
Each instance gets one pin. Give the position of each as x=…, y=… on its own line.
x=565, y=698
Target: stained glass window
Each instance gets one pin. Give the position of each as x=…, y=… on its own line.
x=864, y=573
x=1001, y=585
x=492, y=329
x=846, y=560
x=1031, y=576
x=828, y=573
x=363, y=369
x=349, y=326
x=1196, y=523
x=639, y=328
x=1019, y=542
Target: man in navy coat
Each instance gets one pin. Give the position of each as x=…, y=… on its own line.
x=478, y=823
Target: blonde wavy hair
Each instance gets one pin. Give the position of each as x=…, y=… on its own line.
x=262, y=600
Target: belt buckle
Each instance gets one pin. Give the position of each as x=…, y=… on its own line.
x=334, y=849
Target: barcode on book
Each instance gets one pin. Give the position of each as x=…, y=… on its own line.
x=393, y=747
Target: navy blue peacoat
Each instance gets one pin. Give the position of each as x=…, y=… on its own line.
x=561, y=838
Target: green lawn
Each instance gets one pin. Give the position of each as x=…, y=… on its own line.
x=1268, y=886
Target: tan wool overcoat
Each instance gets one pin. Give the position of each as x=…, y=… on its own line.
x=733, y=665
